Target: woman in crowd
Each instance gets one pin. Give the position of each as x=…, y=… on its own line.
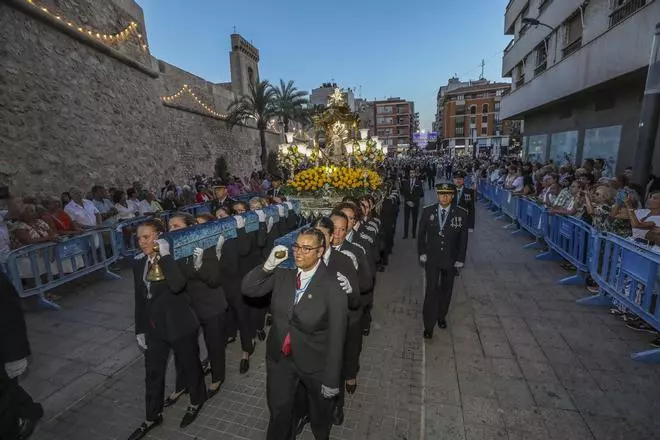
x=164, y=322
x=57, y=219
x=124, y=210
x=133, y=201
x=30, y=229
x=202, y=270
x=223, y=212
x=255, y=183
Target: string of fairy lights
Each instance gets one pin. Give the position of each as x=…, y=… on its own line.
x=186, y=89
x=119, y=37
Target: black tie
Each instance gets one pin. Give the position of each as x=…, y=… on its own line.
x=443, y=214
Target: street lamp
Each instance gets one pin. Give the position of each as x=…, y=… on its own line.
x=649, y=117
x=534, y=22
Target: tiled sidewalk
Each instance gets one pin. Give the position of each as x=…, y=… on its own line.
x=520, y=360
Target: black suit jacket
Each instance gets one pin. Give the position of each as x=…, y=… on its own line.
x=206, y=296
x=443, y=250
x=317, y=324
x=467, y=201
x=229, y=268
x=412, y=194
x=164, y=309
x=14, y=343
x=343, y=264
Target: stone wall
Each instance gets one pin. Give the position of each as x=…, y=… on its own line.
x=70, y=115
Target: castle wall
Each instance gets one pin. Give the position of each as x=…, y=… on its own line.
x=75, y=114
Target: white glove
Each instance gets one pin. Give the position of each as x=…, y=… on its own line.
x=459, y=265
x=409, y=203
x=470, y=230
x=280, y=210
x=218, y=246
x=422, y=259
x=269, y=225
x=163, y=247
x=289, y=205
x=272, y=262
x=329, y=393
x=16, y=368
x=141, y=341
x=344, y=283
x=261, y=214
x=240, y=221
x=198, y=255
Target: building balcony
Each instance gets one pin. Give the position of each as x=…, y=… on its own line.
x=553, y=15
x=513, y=10
x=614, y=52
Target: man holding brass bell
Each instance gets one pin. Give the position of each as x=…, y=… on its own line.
x=306, y=342
x=164, y=321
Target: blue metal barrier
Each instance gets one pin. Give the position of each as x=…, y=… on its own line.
x=533, y=218
x=509, y=206
x=46, y=266
x=627, y=272
x=569, y=239
x=125, y=238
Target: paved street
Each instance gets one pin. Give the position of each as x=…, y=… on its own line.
x=520, y=360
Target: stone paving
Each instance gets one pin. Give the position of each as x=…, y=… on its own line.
x=520, y=360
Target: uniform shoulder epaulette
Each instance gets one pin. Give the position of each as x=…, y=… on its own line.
x=359, y=246
x=352, y=256
x=371, y=228
x=428, y=206
x=140, y=256
x=367, y=237
x=464, y=209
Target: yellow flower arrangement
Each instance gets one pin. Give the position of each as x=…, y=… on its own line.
x=335, y=179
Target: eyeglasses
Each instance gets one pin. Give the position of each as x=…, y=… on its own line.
x=304, y=249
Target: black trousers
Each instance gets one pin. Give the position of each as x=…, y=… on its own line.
x=15, y=403
x=186, y=351
x=238, y=319
x=439, y=288
x=408, y=212
x=213, y=330
x=352, y=349
x=282, y=395
x=367, y=299
x=431, y=180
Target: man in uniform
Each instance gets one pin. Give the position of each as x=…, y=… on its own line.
x=412, y=192
x=222, y=199
x=441, y=245
x=465, y=198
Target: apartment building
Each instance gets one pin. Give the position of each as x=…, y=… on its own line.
x=452, y=84
x=578, y=70
x=393, y=122
x=472, y=118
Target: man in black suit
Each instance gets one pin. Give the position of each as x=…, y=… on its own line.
x=412, y=192
x=306, y=341
x=465, y=198
x=275, y=189
x=441, y=245
x=222, y=199
x=164, y=322
x=19, y=414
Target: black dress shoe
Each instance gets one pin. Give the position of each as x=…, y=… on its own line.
x=172, y=398
x=350, y=388
x=428, y=335
x=442, y=324
x=191, y=414
x=301, y=425
x=261, y=334
x=245, y=366
x=26, y=427
x=338, y=415
x=206, y=367
x=144, y=428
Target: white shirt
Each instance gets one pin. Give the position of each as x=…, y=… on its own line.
x=641, y=216
x=84, y=215
x=133, y=205
x=305, y=278
x=144, y=207
x=123, y=212
x=326, y=256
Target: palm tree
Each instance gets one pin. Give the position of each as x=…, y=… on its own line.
x=258, y=104
x=289, y=102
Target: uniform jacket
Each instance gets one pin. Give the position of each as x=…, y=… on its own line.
x=413, y=194
x=14, y=343
x=365, y=277
x=207, y=297
x=467, y=201
x=317, y=324
x=443, y=250
x=342, y=263
x=162, y=309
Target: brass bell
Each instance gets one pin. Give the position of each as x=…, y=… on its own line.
x=156, y=272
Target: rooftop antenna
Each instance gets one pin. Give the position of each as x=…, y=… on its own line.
x=483, y=64
x=235, y=30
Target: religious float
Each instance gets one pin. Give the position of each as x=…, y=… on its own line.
x=339, y=160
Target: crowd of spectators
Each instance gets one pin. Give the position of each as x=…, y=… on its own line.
x=609, y=203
